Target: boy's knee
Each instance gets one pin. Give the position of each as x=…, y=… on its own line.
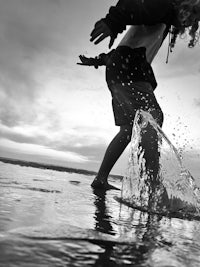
x=126, y=131
x=158, y=116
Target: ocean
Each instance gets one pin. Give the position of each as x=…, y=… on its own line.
x=54, y=218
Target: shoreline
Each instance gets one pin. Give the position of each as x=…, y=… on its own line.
x=38, y=165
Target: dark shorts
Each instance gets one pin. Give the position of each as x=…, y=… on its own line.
x=128, y=98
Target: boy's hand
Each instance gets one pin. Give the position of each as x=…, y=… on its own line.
x=85, y=61
x=100, y=32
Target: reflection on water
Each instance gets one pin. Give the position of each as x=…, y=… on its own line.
x=114, y=254
x=154, y=240
x=82, y=227
x=102, y=216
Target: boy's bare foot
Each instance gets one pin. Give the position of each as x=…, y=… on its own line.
x=103, y=185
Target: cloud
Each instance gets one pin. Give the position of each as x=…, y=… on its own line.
x=183, y=61
x=81, y=141
x=33, y=43
x=42, y=150
x=39, y=45
x=19, y=135
x=197, y=102
x=94, y=152
x=24, y=36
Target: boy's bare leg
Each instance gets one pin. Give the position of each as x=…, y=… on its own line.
x=150, y=147
x=113, y=152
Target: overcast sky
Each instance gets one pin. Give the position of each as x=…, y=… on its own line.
x=53, y=110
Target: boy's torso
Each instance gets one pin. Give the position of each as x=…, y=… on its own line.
x=150, y=37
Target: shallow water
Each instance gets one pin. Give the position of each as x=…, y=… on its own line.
x=51, y=218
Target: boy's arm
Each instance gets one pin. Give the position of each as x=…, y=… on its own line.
x=100, y=60
x=131, y=12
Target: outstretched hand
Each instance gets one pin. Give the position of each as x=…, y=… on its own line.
x=100, y=32
x=86, y=61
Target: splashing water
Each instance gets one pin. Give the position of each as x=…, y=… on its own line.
x=172, y=189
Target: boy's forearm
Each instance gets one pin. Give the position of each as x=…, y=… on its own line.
x=121, y=15
x=136, y=12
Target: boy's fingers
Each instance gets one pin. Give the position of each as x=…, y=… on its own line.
x=96, y=34
x=83, y=64
x=84, y=60
x=81, y=57
x=95, y=30
x=99, y=29
x=112, y=39
x=101, y=38
x=100, y=32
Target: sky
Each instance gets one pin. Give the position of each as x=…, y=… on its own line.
x=55, y=111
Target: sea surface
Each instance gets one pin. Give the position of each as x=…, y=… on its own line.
x=54, y=218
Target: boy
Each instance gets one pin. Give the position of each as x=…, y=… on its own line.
x=131, y=82
x=177, y=15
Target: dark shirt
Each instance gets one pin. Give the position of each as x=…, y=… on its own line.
x=138, y=12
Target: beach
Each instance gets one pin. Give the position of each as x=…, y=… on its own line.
x=54, y=218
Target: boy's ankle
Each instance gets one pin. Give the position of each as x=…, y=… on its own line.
x=99, y=182
x=103, y=184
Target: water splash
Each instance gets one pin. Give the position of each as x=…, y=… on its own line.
x=175, y=186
